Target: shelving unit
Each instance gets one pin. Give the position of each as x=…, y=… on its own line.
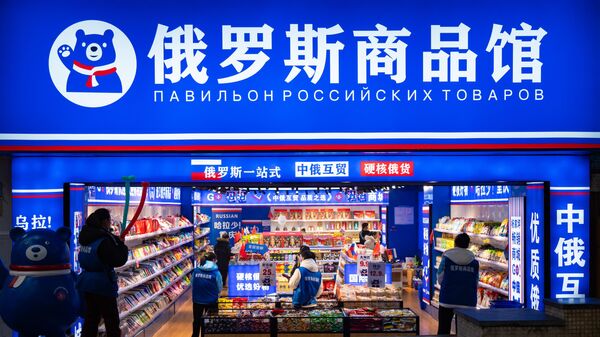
x=499, y=242
x=166, y=251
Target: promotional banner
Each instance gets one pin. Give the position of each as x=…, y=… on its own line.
x=352, y=277
x=480, y=193
x=235, y=75
x=157, y=195
x=244, y=281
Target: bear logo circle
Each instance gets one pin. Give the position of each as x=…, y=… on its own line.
x=36, y=253
x=92, y=63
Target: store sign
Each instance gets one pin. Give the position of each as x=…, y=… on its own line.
x=244, y=281
x=267, y=274
x=376, y=274
x=516, y=259
x=479, y=193
x=374, y=74
x=321, y=169
x=569, y=242
x=534, y=243
x=271, y=197
x=256, y=248
x=425, y=199
x=386, y=168
x=164, y=195
x=227, y=219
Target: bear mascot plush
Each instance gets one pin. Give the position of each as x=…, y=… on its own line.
x=38, y=297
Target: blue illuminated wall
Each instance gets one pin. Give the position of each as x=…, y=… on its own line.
x=403, y=237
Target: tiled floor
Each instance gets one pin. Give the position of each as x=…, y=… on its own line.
x=181, y=324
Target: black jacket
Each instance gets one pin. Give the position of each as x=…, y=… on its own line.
x=361, y=236
x=113, y=252
x=223, y=252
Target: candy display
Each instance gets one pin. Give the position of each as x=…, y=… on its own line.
x=494, y=278
x=364, y=319
x=151, y=225
x=398, y=320
x=326, y=320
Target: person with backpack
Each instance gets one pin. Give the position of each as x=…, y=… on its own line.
x=223, y=251
x=100, y=252
x=458, y=276
x=207, y=284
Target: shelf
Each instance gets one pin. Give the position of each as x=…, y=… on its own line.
x=329, y=220
x=498, y=290
x=292, y=262
x=330, y=231
x=153, y=234
x=493, y=263
x=155, y=295
x=158, y=313
x=473, y=235
x=129, y=287
x=155, y=254
x=441, y=249
x=312, y=248
x=201, y=235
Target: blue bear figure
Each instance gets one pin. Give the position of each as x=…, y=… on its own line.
x=91, y=63
x=39, y=295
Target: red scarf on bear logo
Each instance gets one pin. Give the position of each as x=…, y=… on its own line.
x=92, y=72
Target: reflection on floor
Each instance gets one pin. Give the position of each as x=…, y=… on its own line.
x=181, y=324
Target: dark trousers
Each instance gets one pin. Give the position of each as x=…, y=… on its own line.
x=224, y=272
x=445, y=316
x=201, y=310
x=96, y=307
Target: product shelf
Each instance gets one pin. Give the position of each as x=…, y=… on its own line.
x=328, y=220
x=482, y=236
x=155, y=254
x=129, y=287
x=157, y=233
x=493, y=263
x=155, y=295
x=439, y=249
x=312, y=248
x=498, y=290
x=156, y=314
x=202, y=234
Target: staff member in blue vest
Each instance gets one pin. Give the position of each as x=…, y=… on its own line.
x=207, y=284
x=99, y=254
x=306, y=281
x=458, y=276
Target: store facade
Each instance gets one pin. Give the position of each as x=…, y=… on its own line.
x=451, y=100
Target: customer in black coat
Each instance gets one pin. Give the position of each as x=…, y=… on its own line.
x=223, y=252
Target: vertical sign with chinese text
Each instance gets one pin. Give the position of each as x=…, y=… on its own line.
x=267, y=275
x=363, y=267
x=569, y=242
x=534, y=244
x=516, y=258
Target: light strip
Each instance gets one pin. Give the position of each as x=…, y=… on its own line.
x=296, y=135
x=479, y=200
x=570, y=188
x=48, y=190
x=198, y=162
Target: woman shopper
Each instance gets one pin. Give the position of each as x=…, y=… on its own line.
x=458, y=276
x=206, y=287
x=99, y=254
x=306, y=282
x=223, y=252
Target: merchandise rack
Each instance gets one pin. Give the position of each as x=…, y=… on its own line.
x=157, y=273
x=157, y=233
x=152, y=255
x=273, y=325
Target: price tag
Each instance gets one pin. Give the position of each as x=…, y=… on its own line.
x=376, y=272
x=362, y=269
x=267, y=274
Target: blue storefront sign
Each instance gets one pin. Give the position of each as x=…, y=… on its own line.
x=243, y=281
x=192, y=75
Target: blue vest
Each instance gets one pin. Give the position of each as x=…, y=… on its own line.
x=96, y=277
x=459, y=285
x=307, y=289
x=205, y=286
